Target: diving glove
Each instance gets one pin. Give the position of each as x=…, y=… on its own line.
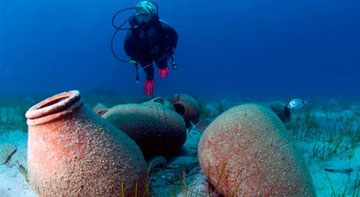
x=149, y=87
x=164, y=72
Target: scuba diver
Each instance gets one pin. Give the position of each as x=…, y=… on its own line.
x=149, y=40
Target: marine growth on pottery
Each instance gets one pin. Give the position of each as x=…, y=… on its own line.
x=160, y=101
x=246, y=152
x=74, y=152
x=155, y=128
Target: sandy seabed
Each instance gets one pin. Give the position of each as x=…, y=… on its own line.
x=328, y=135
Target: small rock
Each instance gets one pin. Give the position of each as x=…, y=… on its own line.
x=185, y=151
x=192, y=140
x=182, y=160
x=203, y=124
x=211, y=110
x=157, y=161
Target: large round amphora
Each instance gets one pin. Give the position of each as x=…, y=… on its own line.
x=74, y=152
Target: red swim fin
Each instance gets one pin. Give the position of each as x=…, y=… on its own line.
x=149, y=87
x=163, y=72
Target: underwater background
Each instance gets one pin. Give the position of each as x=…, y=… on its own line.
x=230, y=48
x=229, y=53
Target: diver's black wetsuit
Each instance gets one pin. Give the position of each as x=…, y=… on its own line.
x=155, y=41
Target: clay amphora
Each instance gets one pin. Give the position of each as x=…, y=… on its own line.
x=160, y=101
x=100, y=109
x=187, y=107
x=246, y=151
x=155, y=128
x=72, y=151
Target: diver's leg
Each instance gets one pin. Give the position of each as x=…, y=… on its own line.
x=148, y=68
x=149, y=84
x=162, y=64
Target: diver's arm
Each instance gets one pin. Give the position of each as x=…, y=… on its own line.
x=170, y=35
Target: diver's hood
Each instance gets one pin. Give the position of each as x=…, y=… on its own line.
x=134, y=23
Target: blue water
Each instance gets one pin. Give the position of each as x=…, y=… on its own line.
x=226, y=48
